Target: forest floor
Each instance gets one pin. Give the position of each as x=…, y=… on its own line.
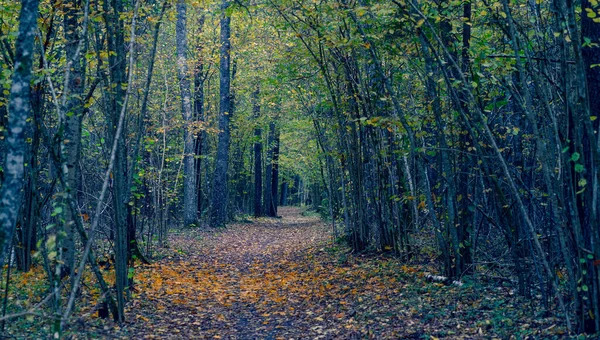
x=283, y=279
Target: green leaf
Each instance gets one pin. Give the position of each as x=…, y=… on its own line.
x=57, y=210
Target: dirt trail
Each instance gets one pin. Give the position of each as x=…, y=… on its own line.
x=249, y=281
x=283, y=279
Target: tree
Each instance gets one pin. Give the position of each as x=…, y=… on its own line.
x=219, y=200
x=258, y=175
x=19, y=110
x=190, y=207
x=72, y=126
x=200, y=75
x=272, y=171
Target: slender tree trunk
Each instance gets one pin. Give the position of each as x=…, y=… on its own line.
x=590, y=34
x=20, y=109
x=29, y=216
x=284, y=192
x=258, y=176
x=218, y=214
x=268, y=194
x=199, y=78
x=190, y=207
x=275, y=176
x=118, y=62
x=465, y=214
x=74, y=117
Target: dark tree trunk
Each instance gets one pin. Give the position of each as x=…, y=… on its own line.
x=20, y=109
x=199, y=78
x=275, y=176
x=284, y=193
x=590, y=30
x=590, y=52
x=30, y=212
x=267, y=197
x=218, y=214
x=190, y=207
x=71, y=152
x=27, y=225
x=297, y=190
x=270, y=193
x=258, y=176
x=465, y=189
x=117, y=63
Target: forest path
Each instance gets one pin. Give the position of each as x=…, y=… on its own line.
x=283, y=279
x=251, y=280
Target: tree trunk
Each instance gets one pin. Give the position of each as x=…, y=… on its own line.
x=284, y=193
x=268, y=194
x=275, y=176
x=117, y=63
x=199, y=78
x=74, y=116
x=20, y=109
x=258, y=210
x=218, y=214
x=190, y=207
x=27, y=223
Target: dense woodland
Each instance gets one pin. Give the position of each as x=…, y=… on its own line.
x=462, y=134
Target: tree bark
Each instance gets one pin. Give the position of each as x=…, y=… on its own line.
x=258, y=176
x=268, y=192
x=284, y=193
x=20, y=109
x=275, y=176
x=218, y=214
x=117, y=60
x=74, y=116
x=199, y=78
x=590, y=34
x=190, y=207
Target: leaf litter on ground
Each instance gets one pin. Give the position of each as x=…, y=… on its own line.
x=284, y=279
